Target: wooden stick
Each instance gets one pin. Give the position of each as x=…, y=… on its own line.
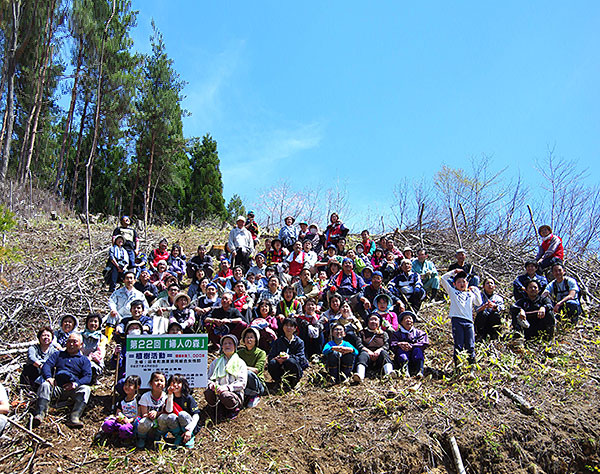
x=462, y=211
x=455, y=228
x=537, y=237
x=421, y=211
x=114, y=396
x=30, y=433
x=460, y=468
x=523, y=404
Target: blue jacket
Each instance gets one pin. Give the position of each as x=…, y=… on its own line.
x=67, y=368
x=294, y=349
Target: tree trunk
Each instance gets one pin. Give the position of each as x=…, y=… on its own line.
x=46, y=60
x=149, y=181
x=134, y=188
x=90, y=162
x=78, y=152
x=10, y=92
x=59, y=168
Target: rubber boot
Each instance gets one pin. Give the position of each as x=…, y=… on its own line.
x=359, y=376
x=388, y=369
x=40, y=411
x=74, y=419
x=141, y=441
x=421, y=364
x=404, y=370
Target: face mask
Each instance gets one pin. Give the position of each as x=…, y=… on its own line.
x=135, y=332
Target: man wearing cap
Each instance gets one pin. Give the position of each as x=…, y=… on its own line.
x=240, y=244
x=288, y=234
x=368, y=294
x=131, y=241
x=468, y=268
x=407, y=286
x=252, y=227
x=428, y=273
x=520, y=283
x=303, y=230
x=66, y=374
x=119, y=302
x=551, y=249
x=347, y=283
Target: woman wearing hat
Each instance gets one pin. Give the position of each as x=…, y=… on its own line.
x=551, y=249
x=288, y=233
x=227, y=378
x=182, y=313
x=408, y=345
x=255, y=359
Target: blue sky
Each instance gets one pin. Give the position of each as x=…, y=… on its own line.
x=371, y=92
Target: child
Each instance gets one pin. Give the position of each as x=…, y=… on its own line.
x=68, y=325
x=266, y=323
x=408, y=345
x=389, y=320
x=310, y=328
x=94, y=344
x=181, y=412
x=378, y=259
x=286, y=357
x=151, y=404
x=182, y=313
x=121, y=424
x=241, y=300
x=276, y=255
x=339, y=354
x=176, y=263
x=252, y=289
x=462, y=301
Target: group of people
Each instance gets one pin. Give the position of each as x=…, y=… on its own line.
x=305, y=297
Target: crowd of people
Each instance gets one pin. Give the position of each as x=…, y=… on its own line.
x=276, y=306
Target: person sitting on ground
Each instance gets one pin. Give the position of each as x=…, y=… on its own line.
x=176, y=262
x=194, y=287
x=242, y=301
x=339, y=355
x=259, y=268
x=182, y=313
x=369, y=245
x=408, y=345
x=37, y=354
x=378, y=259
x=389, y=267
x=237, y=276
x=240, y=244
x=137, y=314
x=277, y=254
x=289, y=306
x=367, y=275
x=68, y=325
x=66, y=374
x=160, y=311
x=200, y=260
x=351, y=323
x=461, y=264
x=407, y=286
x=296, y=259
x=94, y=344
x=335, y=230
x=315, y=238
x=146, y=286
x=224, y=272
x=305, y=287
x=121, y=424
x=425, y=268
x=328, y=258
x=383, y=309
x=158, y=254
x=375, y=350
x=408, y=253
x=347, y=283
x=255, y=359
x=340, y=247
x=160, y=277
x=252, y=227
x=520, y=283
x=311, y=256
x=118, y=263
x=180, y=414
x=489, y=315
x=369, y=292
x=564, y=293
x=287, y=359
x=551, y=249
x=359, y=263
x=533, y=315
x=271, y=293
x=391, y=247
x=131, y=241
x=204, y=304
x=288, y=234
x=151, y=404
x=265, y=321
x=303, y=230
x=225, y=319
x=310, y=329
x=462, y=301
x=332, y=314
x=4, y=408
x=227, y=378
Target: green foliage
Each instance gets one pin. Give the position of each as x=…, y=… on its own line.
x=205, y=190
x=235, y=208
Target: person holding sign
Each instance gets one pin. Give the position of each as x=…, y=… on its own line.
x=227, y=378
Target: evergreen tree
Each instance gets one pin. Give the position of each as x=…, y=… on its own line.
x=205, y=192
x=235, y=208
